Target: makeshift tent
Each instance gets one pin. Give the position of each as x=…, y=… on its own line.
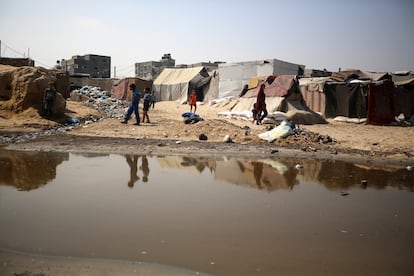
x=350, y=97
x=346, y=76
x=233, y=76
x=121, y=89
x=404, y=93
x=176, y=84
x=282, y=94
x=381, y=103
x=403, y=78
x=345, y=99
x=211, y=91
x=312, y=91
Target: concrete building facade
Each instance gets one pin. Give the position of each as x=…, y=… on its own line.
x=95, y=66
x=149, y=70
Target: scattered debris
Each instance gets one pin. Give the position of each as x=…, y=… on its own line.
x=202, y=137
x=191, y=118
x=298, y=166
x=227, y=139
x=73, y=121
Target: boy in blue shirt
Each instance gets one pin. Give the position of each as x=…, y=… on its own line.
x=147, y=103
x=136, y=96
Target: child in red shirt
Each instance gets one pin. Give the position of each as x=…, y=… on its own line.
x=193, y=101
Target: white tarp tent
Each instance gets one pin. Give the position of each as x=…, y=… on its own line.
x=233, y=76
x=175, y=83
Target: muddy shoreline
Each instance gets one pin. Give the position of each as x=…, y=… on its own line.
x=146, y=146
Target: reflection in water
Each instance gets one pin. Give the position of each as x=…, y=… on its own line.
x=274, y=174
x=144, y=168
x=264, y=174
x=132, y=161
x=189, y=216
x=29, y=170
x=336, y=175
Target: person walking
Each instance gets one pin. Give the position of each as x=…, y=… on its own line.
x=260, y=110
x=136, y=96
x=147, y=104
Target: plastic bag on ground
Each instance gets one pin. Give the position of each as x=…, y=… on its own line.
x=281, y=131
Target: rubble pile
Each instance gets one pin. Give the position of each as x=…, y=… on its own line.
x=18, y=138
x=100, y=100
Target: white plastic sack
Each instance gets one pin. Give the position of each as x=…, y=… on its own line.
x=281, y=131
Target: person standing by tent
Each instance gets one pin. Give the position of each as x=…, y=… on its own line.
x=153, y=99
x=260, y=106
x=136, y=96
x=193, y=101
x=49, y=99
x=147, y=103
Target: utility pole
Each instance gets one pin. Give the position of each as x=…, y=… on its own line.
x=114, y=72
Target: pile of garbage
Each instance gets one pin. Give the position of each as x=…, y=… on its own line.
x=101, y=100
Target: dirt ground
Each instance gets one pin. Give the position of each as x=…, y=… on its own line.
x=168, y=134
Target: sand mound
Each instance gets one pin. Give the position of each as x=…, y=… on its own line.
x=22, y=88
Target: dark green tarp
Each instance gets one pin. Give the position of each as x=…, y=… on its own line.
x=345, y=99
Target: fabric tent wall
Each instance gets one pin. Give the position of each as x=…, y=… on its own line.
x=282, y=94
x=404, y=93
x=281, y=89
x=381, y=103
x=175, y=84
x=345, y=99
x=121, y=89
x=212, y=89
x=312, y=91
x=233, y=76
x=404, y=101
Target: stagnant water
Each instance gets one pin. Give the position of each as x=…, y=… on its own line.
x=217, y=215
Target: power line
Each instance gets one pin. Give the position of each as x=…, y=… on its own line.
x=22, y=55
x=8, y=47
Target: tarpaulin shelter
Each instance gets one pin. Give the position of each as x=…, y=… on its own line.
x=404, y=93
x=233, y=76
x=121, y=89
x=281, y=88
x=344, y=93
x=176, y=83
x=283, y=95
x=381, y=102
x=345, y=99
x=312, y=91
x=347, y=75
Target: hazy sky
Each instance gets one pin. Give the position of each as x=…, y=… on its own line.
x=368, y=35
